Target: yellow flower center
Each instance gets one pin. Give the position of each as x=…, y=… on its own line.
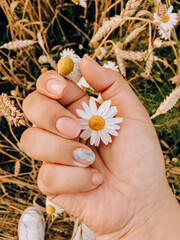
x=65, y=66
x=96, y=123
x=75, y=1
x=98, y=52
x=50, y=209
x=100, y=101
x=166, y=19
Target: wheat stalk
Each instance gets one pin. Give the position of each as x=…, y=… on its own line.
x=168, y=103
x=134, y=34
x=49, y=59
x=18, y=44
x=10, y=112
x=17, y=168
x=116, y=21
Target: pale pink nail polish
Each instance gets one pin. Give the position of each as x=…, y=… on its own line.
x=55, y=86
x=68, y=127
x=97, y=179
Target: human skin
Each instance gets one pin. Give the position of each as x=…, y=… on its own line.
x=123, y=193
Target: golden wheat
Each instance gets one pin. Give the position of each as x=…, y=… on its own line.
x=168, y=103
x=18, y=44
x=10, y=112
x=134, y=34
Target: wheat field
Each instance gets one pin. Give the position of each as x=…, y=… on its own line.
x=131, y=38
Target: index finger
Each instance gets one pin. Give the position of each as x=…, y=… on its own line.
x=53, y=85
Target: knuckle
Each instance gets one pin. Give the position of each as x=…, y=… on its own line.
x=43, y=180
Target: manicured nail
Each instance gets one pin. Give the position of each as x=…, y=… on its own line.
x=68, y=127
x=97, y=179
x=90, y=59
x=55, y=86
x=83, y=155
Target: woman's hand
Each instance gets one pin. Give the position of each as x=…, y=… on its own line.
x=124, y=193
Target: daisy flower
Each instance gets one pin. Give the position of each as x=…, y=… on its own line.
x=68, y=65
x=82, y=3
x=53, y=209
x=163, y=34
x=98, y=124
x=165, y=18
x=111, y=65
x=42, y=59
x=100, y=53
x=82, y=83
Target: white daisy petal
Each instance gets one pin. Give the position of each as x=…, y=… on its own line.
x=114, y=120
x=113, y=126
x=104, y=107
x=104, y=136
x=87, y=109
x=84, y=126
x=111, y=131
x=97, y=140
x=82, y=114
x=93, y=137
x=92, y=104
x=111, y=113
x=170, y=9
x=83, y=122
x=86, y=134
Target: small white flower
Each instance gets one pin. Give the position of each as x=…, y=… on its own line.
x=82, y=3
x=100, y=53
x=167, y=23
x=111, y=65
x=98, y=124
x=163, y=34
x=157, y=43
x=68, y=65
x=52, y=208
x=42, y=59
x=82, y=83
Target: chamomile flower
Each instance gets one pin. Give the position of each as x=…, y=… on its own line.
x=98, y=124
x=43, y=59
x=166, y=19
x=53, y=209
x=82, y=3
x=164, y=34
x=111, y=65
x=82, y=83
x=68, y=65
x=100, y=53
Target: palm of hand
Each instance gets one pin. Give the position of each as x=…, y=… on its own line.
x=129, y=165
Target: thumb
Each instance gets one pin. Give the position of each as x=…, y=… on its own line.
x=112, y=86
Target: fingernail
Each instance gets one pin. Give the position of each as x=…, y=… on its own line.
x=84, y=156
x=68, y=127
x=97, y=179
x=90, y=59
x=55, y=86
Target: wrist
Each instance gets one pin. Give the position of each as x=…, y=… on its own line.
x=163, y=223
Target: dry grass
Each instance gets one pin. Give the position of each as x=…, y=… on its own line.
x=36, y=28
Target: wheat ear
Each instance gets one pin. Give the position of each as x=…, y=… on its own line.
x=10, y=112
x=120, y=60
x=134, y=34
x=168, y=103
x=116, y=21
x=17, y=168
x=18, y=44
x=175, y=79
